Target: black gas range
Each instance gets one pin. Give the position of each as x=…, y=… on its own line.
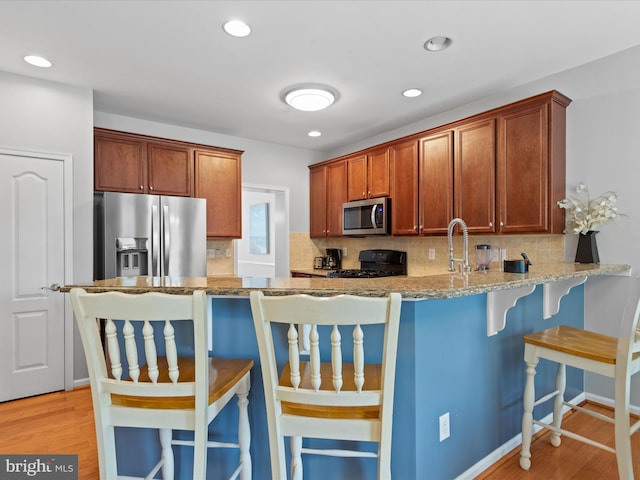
x=375, y=263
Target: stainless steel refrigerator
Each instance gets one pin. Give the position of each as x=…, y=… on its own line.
x=139, y=235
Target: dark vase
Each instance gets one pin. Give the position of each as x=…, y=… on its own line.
x=587, y=251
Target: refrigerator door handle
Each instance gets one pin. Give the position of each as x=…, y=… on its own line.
x=155, y=241
x=166, y=235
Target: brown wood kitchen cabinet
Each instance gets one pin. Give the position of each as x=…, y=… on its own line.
x=368, y=175
x=436, y=183
x=133, y=163
x=327, y=193
x=125, y=162
x=403, y=173
x=218, y=179
x=474, y=173
x=501, y=171
x=531, y=165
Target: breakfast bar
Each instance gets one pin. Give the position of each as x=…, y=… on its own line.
x=460, y=352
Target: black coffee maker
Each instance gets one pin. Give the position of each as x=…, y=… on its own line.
x=333, y=260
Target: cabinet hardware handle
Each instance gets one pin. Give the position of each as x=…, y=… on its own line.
x=150, y=188
x=502, y=224
x=141, y=187
x=491, y=224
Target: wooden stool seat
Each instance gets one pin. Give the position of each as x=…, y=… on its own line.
x=616, y=358
x=224, y=374
x=372, y=372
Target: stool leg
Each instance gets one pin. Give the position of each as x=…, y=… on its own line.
x=244, y=432
x=623, y=424
x=166, y=435
x=296, y=458
x=528, y=401
x=558, y=402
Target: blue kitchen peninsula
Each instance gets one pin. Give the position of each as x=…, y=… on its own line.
x=452, y=359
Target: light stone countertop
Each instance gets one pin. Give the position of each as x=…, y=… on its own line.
x=433, y=286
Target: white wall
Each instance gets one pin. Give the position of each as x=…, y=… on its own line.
x=49, y=117
x=263, y=163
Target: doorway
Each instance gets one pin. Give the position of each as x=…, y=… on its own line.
x=36, y=351
x=263, y=250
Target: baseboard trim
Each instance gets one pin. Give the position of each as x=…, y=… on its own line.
x=508, y=446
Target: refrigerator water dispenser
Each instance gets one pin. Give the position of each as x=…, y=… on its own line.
x=131, y=257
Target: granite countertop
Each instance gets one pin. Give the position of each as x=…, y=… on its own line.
x=433, y=286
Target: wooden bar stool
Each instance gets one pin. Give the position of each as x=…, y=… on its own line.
x=167, y=391
x=330, y=399
x=617, y=358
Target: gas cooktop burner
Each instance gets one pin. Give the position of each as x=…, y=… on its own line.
x=357, y=273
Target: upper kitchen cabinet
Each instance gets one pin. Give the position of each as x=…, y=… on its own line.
x=436, y=183
x=120, y=163
x=328, y=191
x=170, y=169
x=368, y=175
x=125, y=162
x=474, y=175
x=218, y=179
x=403, y=174
x=531, y=165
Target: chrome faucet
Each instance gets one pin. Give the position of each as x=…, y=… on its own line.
x=464, y=267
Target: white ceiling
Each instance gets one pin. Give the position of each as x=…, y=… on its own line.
x=170, y=61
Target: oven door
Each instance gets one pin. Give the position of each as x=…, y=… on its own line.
x=366, y=217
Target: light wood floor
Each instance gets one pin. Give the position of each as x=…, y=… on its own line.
x=62, y=423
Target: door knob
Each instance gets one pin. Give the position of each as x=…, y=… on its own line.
x=54, y=287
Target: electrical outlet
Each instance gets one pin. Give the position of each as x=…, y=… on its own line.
x=227, y=253
x=432, y=254
x=445, y=431
x=344, y=251
x=218, y=252
x=211, y=253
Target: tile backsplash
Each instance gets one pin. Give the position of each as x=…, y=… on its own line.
x=539, y=248
x=302, y=250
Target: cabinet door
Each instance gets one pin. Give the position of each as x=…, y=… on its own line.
x=119, y=164
x=170, y=169
x=474, y=175
x=318, y=202
x=436, y=183
x=523, y=176
x=378, y=173
x=357, y=178
x=336, y=196
x=218, y=179
x=404, y=188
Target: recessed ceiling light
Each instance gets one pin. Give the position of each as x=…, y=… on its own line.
x=412, y=92
x=237, y=28
x=435, y=44
x=310, y=98
x=314, y=133
x=37, y=61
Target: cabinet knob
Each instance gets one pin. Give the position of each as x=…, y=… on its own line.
x=491, y=224
x=369, y=192
x=150, y=188
x=141, y=187
x=502, y=224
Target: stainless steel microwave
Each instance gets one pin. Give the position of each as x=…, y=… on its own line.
x=367, y=217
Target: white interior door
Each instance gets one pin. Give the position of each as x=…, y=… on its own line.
x=32, y=252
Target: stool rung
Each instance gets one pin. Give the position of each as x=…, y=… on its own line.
x=575, y=436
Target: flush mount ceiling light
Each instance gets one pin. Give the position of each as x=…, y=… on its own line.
x=37, y=61
x=310, y=98
x=412, y=92
x=314, y=133
x=236, y=28
x=436, y=44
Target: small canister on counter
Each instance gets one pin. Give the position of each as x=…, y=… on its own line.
x=318, y=262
